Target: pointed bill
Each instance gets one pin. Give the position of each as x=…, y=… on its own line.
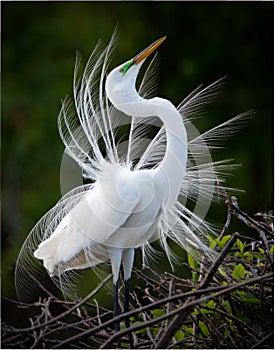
x=146, y=52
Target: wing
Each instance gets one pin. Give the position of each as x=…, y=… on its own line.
x=28, y=270
x=86, y=230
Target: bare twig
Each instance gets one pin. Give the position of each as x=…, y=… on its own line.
x=244, y=217
x=54, y=319
x=186, y=307
x=218, y=299
x=176, y=324
x=227, y=223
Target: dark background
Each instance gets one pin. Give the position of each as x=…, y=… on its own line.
x=206, y=40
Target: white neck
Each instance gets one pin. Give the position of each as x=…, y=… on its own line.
x=172, y=168
x=173, y=165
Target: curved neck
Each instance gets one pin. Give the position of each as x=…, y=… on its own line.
x=172, y=168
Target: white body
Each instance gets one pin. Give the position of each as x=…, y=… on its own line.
x=123, y=219
x=124, y=207
x=128, y=205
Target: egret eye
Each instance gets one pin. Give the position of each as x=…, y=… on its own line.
x=126, y=66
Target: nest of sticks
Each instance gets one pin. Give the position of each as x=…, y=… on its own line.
x=228, y=305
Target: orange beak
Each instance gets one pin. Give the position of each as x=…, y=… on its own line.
x=146, y=52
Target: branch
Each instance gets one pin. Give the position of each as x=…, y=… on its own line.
x=176, y=324
x=181, y=310
x=244, y=217
x=220, y=291
x=69, y=311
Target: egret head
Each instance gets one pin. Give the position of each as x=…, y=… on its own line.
x=120, y=83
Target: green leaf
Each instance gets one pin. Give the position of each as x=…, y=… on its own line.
x=239, y=271
x=240, y=245
x=221, y=243
x=203, y=328
x=142, y=330
x=249, y=298
x=192, y=262
x=195, y=277
x=179, y=335
x=157, y=312
x=206, y=311
x=222, y=271
x=224, y=240
x=227, y=306
x=188, y=329
x=211, y=303
x=122, y=325
x=195, y=313
x=271, y=249
x=212, y=242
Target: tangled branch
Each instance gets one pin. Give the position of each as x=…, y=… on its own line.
x=230, y=305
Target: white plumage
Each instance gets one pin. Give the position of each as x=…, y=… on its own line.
x=134, y=198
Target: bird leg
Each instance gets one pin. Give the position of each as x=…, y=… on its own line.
x=115, y=257
x=127, y=257
x=126, y=309
x=127, y=300
x=128, y=260
x=116, y=306
x=116, y=312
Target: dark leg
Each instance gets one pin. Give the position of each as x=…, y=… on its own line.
x=116, y=310
x=126, y=309
x=116, y=307
x=127, y=261
x=115, y=257
x=127, y=300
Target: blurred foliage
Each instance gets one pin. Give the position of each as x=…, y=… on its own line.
x=205, y=42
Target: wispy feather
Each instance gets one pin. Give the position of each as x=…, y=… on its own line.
x=88, y=126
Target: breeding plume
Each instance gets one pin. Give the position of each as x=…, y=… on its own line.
x=140, y=187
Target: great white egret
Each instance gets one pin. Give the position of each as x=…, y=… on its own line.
x=134, y=199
